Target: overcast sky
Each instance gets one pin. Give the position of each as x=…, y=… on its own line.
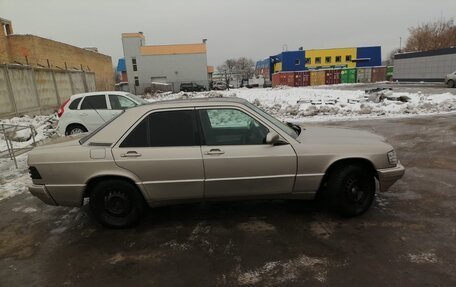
x=234, y=28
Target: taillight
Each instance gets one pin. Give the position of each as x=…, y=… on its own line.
x=62, y=108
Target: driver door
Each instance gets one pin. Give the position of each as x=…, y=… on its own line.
x=237, y=160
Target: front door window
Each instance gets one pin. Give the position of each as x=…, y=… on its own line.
x=231, y=127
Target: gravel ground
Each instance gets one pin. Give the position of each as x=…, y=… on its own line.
x=406, y=239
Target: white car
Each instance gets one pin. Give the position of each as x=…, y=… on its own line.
x=450, y=80
x=86, y=112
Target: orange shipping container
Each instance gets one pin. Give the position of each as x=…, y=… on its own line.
x=317, y=78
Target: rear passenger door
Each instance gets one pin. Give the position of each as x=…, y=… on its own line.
x=94, y=111
x=163, y=150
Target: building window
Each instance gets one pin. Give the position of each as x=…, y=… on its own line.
x=348, y=58
x=328, y=59
x=135, y=66
x=297, y=62
x=338, y=59
x=318, y=60
x=136, y=81
x=308, y=61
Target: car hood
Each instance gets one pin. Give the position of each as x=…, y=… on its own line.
x=337, y=136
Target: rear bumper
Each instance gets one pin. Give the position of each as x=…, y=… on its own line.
x=388, y=176
x=41, y=192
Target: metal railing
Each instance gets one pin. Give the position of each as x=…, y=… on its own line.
x=8, y=131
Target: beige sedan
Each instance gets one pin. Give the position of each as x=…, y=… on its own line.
x=206, y=149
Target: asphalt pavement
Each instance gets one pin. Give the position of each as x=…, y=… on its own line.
x=408, y=238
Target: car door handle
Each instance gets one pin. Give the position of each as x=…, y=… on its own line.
x=214, y=151
x=83, y=114
x=130, y=154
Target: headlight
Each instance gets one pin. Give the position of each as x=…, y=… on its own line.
x=392, y=158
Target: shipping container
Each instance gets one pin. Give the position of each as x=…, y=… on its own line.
x=332, y=77
x=317, y=77
x=283, y=79
x=348, y=76
x=364, y=75
x=298, y=79
x=378, y=74
x=329, y=77
x=290, y=79
x=275, y=80
x=306, y=79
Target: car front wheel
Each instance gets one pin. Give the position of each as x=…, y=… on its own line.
x=451, y=84
x=351, y=189
x=117, y=203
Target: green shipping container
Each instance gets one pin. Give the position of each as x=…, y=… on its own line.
x=389, y=73
x=348, y=76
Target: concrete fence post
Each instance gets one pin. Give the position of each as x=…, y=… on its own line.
x=35, y=88
x=84, y=79
x=55, y=87
x=71, y=83
x=10, y=90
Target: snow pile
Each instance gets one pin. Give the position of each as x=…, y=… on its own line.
x=44, y=127
x=316, y=104
x=13, y=181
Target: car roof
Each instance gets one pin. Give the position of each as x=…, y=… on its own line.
x=75, y=96
x=213, y=101
x=110, y=133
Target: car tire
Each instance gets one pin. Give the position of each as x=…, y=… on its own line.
x=351, y=190
x=117, y=204
x=451, y=84
x=75, y=129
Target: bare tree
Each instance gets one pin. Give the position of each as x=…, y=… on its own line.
x=390, y=57
x=430, y=36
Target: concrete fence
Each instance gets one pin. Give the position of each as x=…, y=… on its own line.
x=27, y=90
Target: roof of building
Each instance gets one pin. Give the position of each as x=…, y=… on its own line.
x=121, y=65
x=199, y=48
x=444, y=51
x=132, y=35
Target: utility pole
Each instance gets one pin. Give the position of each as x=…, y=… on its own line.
x=400, y=44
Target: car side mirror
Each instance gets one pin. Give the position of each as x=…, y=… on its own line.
x=274, y=139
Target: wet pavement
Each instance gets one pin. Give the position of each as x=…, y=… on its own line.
x=408, y=238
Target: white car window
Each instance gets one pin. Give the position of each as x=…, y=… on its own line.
x=97, y=102
x=120, y=102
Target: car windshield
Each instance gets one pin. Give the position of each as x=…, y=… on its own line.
x=88, y=136
x=137, y=99
x=291, y=132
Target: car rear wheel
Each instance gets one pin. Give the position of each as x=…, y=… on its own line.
x=451, y=84
x=75, y=129
x=351, y=190
x=117, y=203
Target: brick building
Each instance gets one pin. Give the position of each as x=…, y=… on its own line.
x=41, y=52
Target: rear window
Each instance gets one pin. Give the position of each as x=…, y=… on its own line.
x=74, y=104
x=97, y=102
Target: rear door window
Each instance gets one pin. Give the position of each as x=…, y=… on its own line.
x=97, y=102
x=165, y=129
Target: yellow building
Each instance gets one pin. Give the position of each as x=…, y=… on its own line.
x=330, y=57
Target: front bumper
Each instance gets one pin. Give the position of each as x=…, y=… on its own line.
x=388, y=176
x=41, y=192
